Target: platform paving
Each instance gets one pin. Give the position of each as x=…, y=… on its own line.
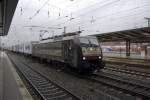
x=123, y=55
x=9, y=88
x=140, y=62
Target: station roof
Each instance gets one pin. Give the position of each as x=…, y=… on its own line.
x=133, y=35
x=7, y=9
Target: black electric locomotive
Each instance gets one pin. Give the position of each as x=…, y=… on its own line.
x=82, y=53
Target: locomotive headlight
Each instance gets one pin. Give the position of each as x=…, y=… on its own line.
x=91, y=49
x=99, y=57
x=83, y=58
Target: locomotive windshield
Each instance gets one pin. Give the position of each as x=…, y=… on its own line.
x=90, y=46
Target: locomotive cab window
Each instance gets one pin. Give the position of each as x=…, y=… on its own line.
x=90, y=46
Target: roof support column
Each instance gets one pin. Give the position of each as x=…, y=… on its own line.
x=143, y=51
x=127, y=48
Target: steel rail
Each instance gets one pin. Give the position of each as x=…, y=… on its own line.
x=45, y=88
x=123, y=85
x=129, y=71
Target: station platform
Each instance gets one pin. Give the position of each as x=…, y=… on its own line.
x=128, y=60
x=123, y=55
x=11, y=86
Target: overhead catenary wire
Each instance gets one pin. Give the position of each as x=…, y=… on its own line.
x=106, y=16
x=37, y=12
x=64, y=21
x=89, y=12
x=97, y=18
x=113, y=19
x=74, y=13
x=46, y=3
x=82, y=22
x=100, y=30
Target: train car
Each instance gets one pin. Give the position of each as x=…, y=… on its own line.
x=20, y=48
x=23, y=48
x=81, y=53
x=27, y=47
x=15, y=48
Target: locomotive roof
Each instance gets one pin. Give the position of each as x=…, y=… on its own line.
x=66, y=36
x=63, y=35
x=58, y=39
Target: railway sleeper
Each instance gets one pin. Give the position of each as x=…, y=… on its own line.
x=50, y=90
x=44, y=84
x=52, y=93
x=46, y=89
x=58, y=97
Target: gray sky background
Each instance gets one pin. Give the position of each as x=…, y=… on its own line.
x=49, y=17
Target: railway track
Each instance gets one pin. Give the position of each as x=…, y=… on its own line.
x=44, y=88
x=118, y=83
x=141, y=74
x=128, y=86
x=80, y=76
x=127, y=64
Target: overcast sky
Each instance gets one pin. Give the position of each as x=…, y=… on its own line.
x=49, y=17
